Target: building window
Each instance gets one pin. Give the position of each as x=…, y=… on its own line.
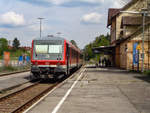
x=126, y=48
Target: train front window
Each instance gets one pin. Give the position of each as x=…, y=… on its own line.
x=41, y=49
x=48, y=51
x=55, y=49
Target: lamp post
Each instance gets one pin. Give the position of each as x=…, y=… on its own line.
x=144, y=13
x=40, y=26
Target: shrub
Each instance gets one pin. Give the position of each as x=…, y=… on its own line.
x=147, y=72
x=7, y=68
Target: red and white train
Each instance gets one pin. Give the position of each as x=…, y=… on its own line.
x=53, y=56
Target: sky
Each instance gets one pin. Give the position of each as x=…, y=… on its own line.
x=79, y=20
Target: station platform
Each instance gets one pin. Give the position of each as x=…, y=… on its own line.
x=98, y=90
x=13, y=80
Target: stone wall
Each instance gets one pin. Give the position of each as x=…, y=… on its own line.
x=117, y=56
x=123, y=55
x=136, y=38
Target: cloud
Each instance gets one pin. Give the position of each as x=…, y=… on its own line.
x=92, y=18
x=45, y=3
x=119, y=3
x=37, y=27
x=59, y=2
x=65, y=3
x=12, y=19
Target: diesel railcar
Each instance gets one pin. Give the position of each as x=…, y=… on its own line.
x=53, y=56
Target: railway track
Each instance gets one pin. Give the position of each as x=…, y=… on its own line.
x=17, y=102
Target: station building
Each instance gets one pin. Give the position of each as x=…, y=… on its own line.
x=126, y=31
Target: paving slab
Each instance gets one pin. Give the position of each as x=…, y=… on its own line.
x=99, y=90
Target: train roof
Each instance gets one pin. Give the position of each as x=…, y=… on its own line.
x=50, y=38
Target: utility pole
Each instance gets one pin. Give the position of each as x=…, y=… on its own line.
x=144, y=13
x=40, y=26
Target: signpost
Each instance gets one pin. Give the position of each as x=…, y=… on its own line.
x=135, y=54
x=6, y=58
x=136, y=49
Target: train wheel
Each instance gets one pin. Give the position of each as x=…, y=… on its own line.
x=31, y=76
x=34, y=76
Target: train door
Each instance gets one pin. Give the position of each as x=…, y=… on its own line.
x=68, y=59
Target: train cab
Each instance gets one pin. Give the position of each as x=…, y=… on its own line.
x=52, y=56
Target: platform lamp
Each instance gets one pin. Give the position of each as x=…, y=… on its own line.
x=144, y=13
x=40, y=25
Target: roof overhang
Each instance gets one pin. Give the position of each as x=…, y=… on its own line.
x=104, y=49
x=112, y=12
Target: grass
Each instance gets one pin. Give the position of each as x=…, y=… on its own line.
x=134, y=71
x=147, y=73
x=7, y=69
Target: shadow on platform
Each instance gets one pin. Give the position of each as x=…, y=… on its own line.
x=112, y=70
x=144, y=78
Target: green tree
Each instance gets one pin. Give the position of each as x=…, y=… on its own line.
x=74, y=43
x=102, y=40
x=3, y=45
x=16, y=43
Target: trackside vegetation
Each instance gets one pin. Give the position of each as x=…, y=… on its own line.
x=102, y=40
x=15, y=50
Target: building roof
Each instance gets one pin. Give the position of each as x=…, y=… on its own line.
x=128, y=21
x=134, y=21
x=137, y=31
x=129, y=4
x=104, y=49
x=112, y=12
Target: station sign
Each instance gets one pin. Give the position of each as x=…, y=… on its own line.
x=135, y=54
x=138, y=47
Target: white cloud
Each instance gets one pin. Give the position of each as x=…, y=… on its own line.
x=92, y=1
x=37, y=27
x=59, y=2
x=34, y=27
x=93, y=18
x=119, y=3
x=12, y=19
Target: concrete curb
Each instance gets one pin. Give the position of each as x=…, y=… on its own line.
x=15, y=72
x=12, y=87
